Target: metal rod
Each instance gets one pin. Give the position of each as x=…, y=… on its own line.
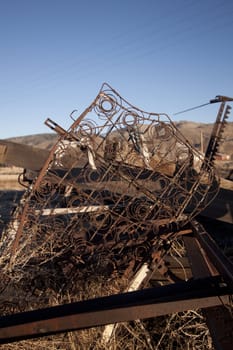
x=145, y=303
x=218, y=318
x=219, y=260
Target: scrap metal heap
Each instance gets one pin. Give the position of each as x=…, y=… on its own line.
x=116, y=190
x=115, y=180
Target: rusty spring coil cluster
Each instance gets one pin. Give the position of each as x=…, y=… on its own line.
x=112, y=183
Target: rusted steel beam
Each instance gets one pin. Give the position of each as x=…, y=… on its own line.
x=220, y=323
x=199, y=263
x=218, y=318
x=129, y=306
x=216, y=256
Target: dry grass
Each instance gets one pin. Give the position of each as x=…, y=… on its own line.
x=41, y=286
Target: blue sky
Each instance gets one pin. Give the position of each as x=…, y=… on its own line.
x=160, y=55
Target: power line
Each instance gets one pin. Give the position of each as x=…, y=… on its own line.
x=217, y=99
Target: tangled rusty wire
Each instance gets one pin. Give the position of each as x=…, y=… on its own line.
x=116, y=180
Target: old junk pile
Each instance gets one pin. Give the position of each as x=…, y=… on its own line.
x=106, y=232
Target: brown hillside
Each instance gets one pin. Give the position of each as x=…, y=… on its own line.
x=191, y=130
x=39, y=140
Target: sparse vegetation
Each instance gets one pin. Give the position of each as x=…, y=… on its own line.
x=60, y=281
x=48, y=273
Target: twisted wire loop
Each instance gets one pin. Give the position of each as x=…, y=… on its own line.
x=112, y=183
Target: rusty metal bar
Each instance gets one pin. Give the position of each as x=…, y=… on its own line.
x=210, y=151
x=55, y=127
x=145, y=303
x=200, y=265
x=216, y=256
x=219, y=318
x=220, y=323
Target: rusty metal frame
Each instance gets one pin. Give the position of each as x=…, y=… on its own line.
x=113, y=152
x=145, y=303
x=223, y=265
x=218, y=318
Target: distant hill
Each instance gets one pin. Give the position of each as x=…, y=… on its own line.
x=38, y=140
x=191, y=130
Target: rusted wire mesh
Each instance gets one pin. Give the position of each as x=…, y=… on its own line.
x=111, y=182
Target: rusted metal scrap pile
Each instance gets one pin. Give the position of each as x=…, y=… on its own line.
x=115, y=191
